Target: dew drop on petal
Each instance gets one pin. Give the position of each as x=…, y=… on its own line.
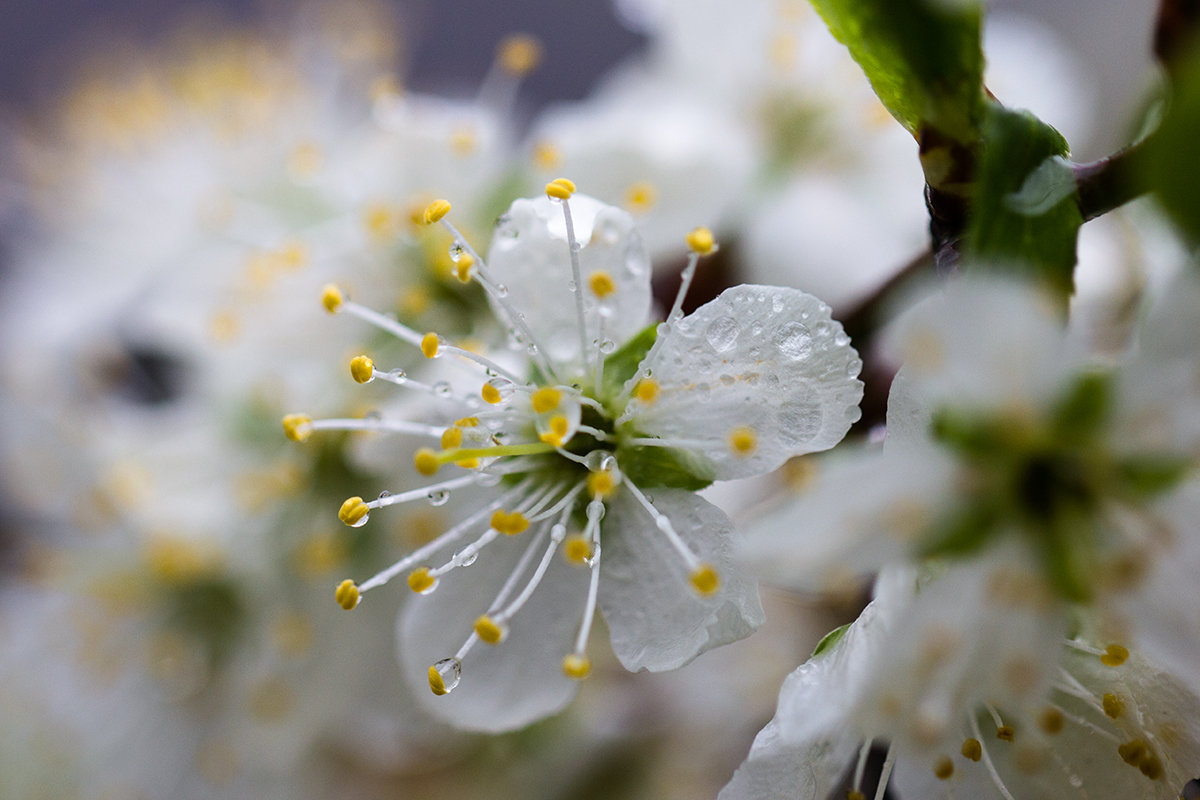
x=722, y=333
x=451, y=671
x=794, y=341
x=853, y=367
x=438, y=498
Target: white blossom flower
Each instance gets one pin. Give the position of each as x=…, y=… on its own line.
x=608, y=433
x=965, y=712
x=1006, y=443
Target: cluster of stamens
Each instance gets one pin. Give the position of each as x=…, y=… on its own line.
x=552, y=449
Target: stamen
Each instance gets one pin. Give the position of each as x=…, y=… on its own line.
x=987, y=761
x=594, y=512
x=743, y=441
x=1114, y=656
x=516, y=57
x=556, y=536
x=340, y=303
x=363, y=424
x=576, y=666
x=422, y=493
x=347, y=594
x=428, y=461
x=1112, y=705
x=943, y=770
x=885, y=774
x=702, y=577
x=859, y=767
x=640, y=197
x=972, y=749
x=433, y=346
x=561, y=189
x=362, y=369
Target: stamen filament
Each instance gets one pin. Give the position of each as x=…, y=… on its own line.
x=556, y=536
x=595, y=433
x=483, y=361
x=519, y=570
x=598, y=378
x=467, y=554
x=987, y=761
x=577, y=277
x=589, y=613
x=451, y=535
x=676, y=313
x=417, y=494
x=382, y=425
x=382, y=322
x=885, y=774
x=690, y=559
x=1093, y=727
x=861, y=765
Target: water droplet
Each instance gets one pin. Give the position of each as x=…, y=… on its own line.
x=384, y=493
x=804, y=315
x=663, y=524
x=438, y=498
x=841, y=340
x=486, y=479
x=595, y=460
x=576, y=245
x=823, y=329
x=574, y=287
x=777, y=304
x=853, y=367
x=373, y=415
x=360, y=522
x=532, y=349
x=443, y=389
x=1075, y=781
x=468, y=559
x=451, y=671
x=456, y=252
x=503, y=387
x=722, y=333
x=595, y=510
x=558, y=532
x=501, y=290
x=794, y=341
x=398, y=375
x=607, y=346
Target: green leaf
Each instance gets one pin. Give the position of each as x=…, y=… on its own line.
x=621, y=365
x=1021, y=219
x=650, y=467
x=1170, y=159
x=830, y=639
x=923, y=58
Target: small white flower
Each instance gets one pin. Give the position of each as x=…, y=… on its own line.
x=594, y=449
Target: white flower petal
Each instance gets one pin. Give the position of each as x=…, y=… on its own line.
x=656, y=619
x=504, y=686
x=766, y=359
x=529, y=255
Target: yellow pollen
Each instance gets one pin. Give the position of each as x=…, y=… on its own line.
x=362, y=369
x=347, y=594
x=602, y=284
x=601, y=484
x=701, y=241
x=466, y=422
x=743, y=441
x=1051, y=721
x=429, y=345
x=488, y=630
x=509, y=523
x=435, y=211
x=972, y=749
x=558, y=431
x=577, y=549
x=420, y=581
x=436, y=684
x=577, y=666
x=297, y=427
x=640, y=197
x=1151, y=767
x=1005, y=733
x=462, y=269
x=1132, y=752
x=463, y=142
x=647, y=391
x=490, y=394
x=944, y=768
x=426, y=461
x=1114, y=655
x=332, y=298
x=704, y=579
x=1112, y=705
x=560, y=188
x=452, y=438
x=546, y=399
x=546, y=156
x=380, y=221
x=519, y=54
x=353, y=510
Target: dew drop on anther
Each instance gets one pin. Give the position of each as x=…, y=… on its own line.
x=358, y=523
x=438, y=498
x=451, y=671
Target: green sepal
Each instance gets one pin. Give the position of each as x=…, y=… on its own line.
x=1150, y=475
x=210, y=609
x=1022, y=220
x=1066, y=546
x=1082, y=411
x=1170, y=160
x=923, y=59
x=622, y=364
x=830, y=639
x=962, y=532
x=664, y=467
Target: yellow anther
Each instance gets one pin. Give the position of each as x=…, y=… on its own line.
x=436, y=684
x=546, y=399
x=509, y=523
x=362, y=369
x=546, y=156
x=972, y=749
x=559, y=426
x=1114, y=655
x=463, y=142
x=490, y=394
x=347, y=594
x=429, y=345
x=380, y=221
x=462, y=269
x=297, y=427
x=1005, y=733
x=944, y=768
x=577, y=666
x=353, y=511
x=647, y=391
x=743, y=441
x=451, y=438
x=560, y=188
x=701, y=241
x=1050, y=720
x=1151, y=767
x=420, y=581
x=519, y=54
x=1113, y=706
x=1132, y=752
x=332, y=298
x=466, y=422
x=640, y=197
x=489, y=630
x=435, y=211
x=602, y=284
x=704, y=579
x=577, y=549
x=601, y=484
x=426, y=461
